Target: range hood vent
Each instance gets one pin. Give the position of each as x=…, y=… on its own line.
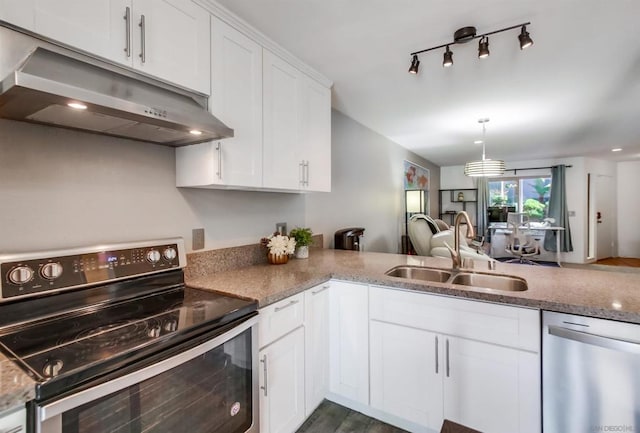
x=109, y=100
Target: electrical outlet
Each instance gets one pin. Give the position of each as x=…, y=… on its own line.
x=572, y=213
x=197, y=239
x=281, y=228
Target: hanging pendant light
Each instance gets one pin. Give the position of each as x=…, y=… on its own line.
x=485, y=167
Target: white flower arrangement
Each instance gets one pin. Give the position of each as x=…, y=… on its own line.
x=279, y=245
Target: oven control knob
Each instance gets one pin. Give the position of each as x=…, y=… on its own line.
x=153, y=256
x=170, y=253
x=154, y=332
x=171, y=325
x=51, y=271
x=20, y=275
x=52, y=368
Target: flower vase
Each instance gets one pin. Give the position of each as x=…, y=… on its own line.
x=302, y=252
x=279, y=259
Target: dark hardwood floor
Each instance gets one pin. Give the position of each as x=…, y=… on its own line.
x=333, y=418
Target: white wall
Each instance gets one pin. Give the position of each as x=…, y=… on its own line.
x=61, y=188
x=367, y=187
x=628, y=209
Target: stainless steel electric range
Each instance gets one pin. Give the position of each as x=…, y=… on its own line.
x=115, y=342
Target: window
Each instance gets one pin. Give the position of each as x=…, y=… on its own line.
x=526, y=194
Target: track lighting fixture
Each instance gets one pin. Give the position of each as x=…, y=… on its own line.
x=448, y=58
x=483, y=47
x=415, y=64
x=525, y=39
x=466, y=34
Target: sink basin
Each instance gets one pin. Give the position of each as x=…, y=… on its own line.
x=419, y=273
x=495, y=282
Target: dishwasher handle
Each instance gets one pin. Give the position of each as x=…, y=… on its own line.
x=595, y=340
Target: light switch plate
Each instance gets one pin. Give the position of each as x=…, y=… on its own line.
x=197, y=236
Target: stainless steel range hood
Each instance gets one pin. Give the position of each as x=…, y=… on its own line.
x=49, y=81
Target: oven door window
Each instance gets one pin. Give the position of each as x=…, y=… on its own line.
x=210, y=393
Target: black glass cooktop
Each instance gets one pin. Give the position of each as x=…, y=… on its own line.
x=82, y=342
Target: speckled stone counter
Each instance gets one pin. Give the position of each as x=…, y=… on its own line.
x=592, y=293
x=16, y=388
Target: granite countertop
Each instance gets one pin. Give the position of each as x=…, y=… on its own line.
x=16, y=387
x=592, y=293
x=601, y=294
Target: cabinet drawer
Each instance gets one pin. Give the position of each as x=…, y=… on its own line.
x=13, y=421
x=280, y=318
x=499, y=324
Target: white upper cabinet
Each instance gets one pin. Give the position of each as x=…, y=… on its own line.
x=98, y=27
x=297, y=128
x=315, y=140
x=236, y=99
x=282, y=160
x=171, y=40
x=168, y=39
x=18, y=12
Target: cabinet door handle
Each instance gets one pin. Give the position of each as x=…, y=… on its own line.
x=301, y=173
x=219, y=149
x=306, y=179
x=322, y=289
x=264, y=370
x=437, y=362
x=447, y=353
x=143, y=48
x=127, y=20
x=286, y=306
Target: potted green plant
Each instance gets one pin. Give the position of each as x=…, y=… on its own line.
x=303, y=237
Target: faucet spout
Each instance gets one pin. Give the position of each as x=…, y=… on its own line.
x=455, y=251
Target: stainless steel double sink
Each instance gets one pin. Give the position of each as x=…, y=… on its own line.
x=504, y=283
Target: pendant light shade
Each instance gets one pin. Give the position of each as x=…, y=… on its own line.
x=485, y=167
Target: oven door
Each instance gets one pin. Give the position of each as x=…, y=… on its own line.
x=211, y=387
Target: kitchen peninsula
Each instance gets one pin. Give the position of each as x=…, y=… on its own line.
x=292, y=289
x=599, y=294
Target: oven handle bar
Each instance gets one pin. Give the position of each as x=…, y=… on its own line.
x=58, y=407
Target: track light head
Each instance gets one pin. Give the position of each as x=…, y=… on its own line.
x=525, y=39
x=415, y=65
x=483, y=48
x=448, y=58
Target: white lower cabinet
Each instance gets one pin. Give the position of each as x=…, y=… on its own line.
x=316, y=356
x=429, y=363
x=491, y=388
x=349, y=341
x=408, y=358
x=13, y=421
x=282, y=384
x=406, y=366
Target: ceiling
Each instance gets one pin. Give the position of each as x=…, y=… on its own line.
x=575, y=92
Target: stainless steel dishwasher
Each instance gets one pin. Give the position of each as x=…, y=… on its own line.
x=590, y=375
